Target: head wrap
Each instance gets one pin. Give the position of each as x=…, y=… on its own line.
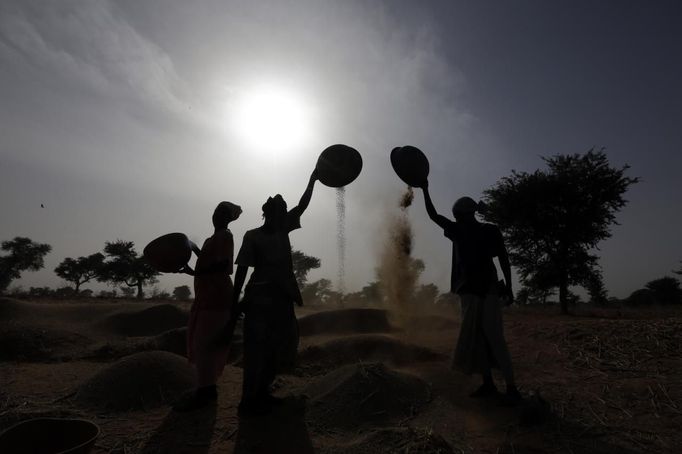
x=274, y=205
x=226, y=211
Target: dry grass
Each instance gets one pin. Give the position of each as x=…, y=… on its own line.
x=613, y=382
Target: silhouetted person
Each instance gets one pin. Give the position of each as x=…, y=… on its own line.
x=481, y=344
x=212, y=306
x=270, y=327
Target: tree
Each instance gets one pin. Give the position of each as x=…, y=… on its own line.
x=126, y=292
x=65, y=292
x=124, y=266
x=107, y=294
x=680, y=270
x=302, y=265
x=24, y=254
x=532, y=294
x=367, y=295
x=641, y=297
x=665, y=290
x=40, y=292
x=596, y=289
x=81, y=270
x=371, y=293
x=319, y=291
x=553, y=219
x=537, y=289
x=182, y=293
x=159, y=294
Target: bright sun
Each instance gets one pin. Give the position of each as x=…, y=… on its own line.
x=271, y=119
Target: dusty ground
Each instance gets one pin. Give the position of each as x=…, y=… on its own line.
x=612, y=382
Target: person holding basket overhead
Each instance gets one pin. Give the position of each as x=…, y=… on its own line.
x=481, y=345
x=270, y=326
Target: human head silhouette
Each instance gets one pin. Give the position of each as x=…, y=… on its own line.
x=464, y=209
x=274, y=211
x=225, y=213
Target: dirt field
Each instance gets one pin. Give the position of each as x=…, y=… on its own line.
x=602, y=381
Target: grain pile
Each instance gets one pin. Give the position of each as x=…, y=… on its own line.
x=140, y=381
x=362, y=348
x=146, y=322
x=394, y=440
x=364, y=395
x=351, y=320
x=173, y=340
x=30, y=342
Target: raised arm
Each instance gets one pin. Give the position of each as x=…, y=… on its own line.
x=307, y=194
x=442, y=221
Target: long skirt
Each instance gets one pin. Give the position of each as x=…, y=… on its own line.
x=270, y=339
x=481, y=344
x=204, y=348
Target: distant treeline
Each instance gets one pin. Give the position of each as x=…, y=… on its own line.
x=552, y=220
x=118, y=266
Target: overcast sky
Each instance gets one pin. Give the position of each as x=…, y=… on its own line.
x=119, y=117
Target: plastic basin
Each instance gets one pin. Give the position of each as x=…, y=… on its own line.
x=49, y=436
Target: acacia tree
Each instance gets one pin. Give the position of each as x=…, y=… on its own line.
x=302, y=265
x=182, y=293
x=124, y=266
x=665, y=290
x=24, y=254
x=554, y=219
x=81, y=270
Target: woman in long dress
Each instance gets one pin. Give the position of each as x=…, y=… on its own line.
x=211, y=309
x=481, y=345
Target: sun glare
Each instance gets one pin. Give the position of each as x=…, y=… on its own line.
x=271, y=119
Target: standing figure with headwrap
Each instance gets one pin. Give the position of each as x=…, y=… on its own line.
x=212, y=307
x=481, y=345
x=270, y=327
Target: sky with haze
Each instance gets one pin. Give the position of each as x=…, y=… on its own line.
x=119, y=117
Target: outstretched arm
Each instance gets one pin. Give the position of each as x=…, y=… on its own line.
x=307, y=194
x=188, y=269
x=195, y=248
x=442, y=221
